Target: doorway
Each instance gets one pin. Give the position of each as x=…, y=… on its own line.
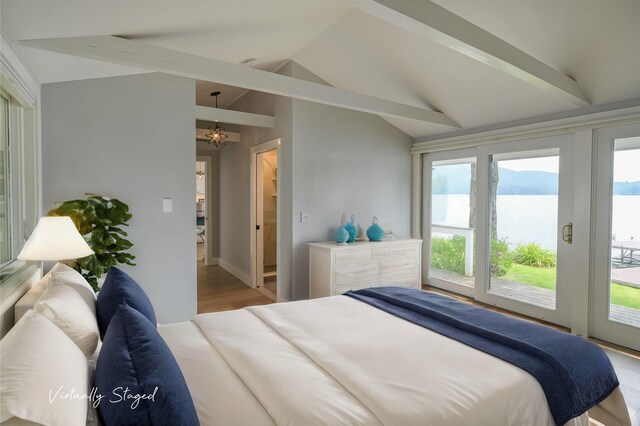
x=201, y=235
x=265, y=206
x=203, y=198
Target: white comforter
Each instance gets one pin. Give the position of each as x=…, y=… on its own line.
x=338, y=361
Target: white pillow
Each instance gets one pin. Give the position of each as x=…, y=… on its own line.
x=38, y=359
x=26, y=302
x=67, y=309
x=74, y=279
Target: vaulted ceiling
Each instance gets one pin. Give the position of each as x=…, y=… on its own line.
x=594, y=42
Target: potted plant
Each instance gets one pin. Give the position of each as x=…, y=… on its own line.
x=100, y=220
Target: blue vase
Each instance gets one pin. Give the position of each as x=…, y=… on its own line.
x=352, y=229
x=375, y=232
x=341, y=235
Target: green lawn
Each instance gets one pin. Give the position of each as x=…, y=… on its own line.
x=546, y=278
x=539, y=277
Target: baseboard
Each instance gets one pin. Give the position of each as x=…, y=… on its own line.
x=235, y=271
x=212, y=261
x=267, y=293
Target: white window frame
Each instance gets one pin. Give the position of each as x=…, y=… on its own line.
x=24, y=190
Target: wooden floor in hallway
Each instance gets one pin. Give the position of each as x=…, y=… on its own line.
x=218, y=290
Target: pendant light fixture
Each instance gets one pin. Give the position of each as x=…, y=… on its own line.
x=217, y=135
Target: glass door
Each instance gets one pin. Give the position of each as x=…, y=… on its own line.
x=525, y=206
x=450, y=215
x=616, y=313
x=524, y=226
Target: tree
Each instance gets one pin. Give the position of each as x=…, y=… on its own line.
x=495, y=178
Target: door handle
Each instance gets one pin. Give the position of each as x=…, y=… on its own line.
x=257, y=227
x=567, y=233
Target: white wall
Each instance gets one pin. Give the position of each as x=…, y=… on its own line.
x=362, y=166
x=235, y=232
x=332, y=161
x=131, y=138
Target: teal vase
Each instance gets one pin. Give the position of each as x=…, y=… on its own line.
x=375, y=232
x=342, y=235
x=352, y=229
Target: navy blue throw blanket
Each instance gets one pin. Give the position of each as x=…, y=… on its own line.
x=574, y=373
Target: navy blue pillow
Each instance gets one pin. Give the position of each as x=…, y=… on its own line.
x=134, y=358
x=119, y=287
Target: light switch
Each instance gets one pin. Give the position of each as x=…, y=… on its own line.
x=305, y=217
x=167, y=205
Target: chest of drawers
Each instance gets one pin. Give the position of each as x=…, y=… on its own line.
x=334, y=269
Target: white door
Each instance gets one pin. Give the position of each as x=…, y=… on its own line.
x=259, y=220
x=616, y=284
x=496, y=215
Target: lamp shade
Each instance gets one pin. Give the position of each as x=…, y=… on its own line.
x=55, y=238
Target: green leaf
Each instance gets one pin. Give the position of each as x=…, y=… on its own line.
x=100, y=220
x=93, y=282
x=116, y=230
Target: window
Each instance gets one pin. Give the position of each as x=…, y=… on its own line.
x=453, y=220
x=19, y=200
x=5, y=202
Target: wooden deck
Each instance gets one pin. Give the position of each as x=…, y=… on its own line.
x=524, y=293
x=535, y=295
x=626, y=276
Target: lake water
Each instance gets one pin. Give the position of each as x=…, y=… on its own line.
x=534, y=218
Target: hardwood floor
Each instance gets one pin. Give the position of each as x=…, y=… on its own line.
x=218, y=290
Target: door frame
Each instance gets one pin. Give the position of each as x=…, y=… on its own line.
x=208, y=186
x=600, y=325
x=253, y=206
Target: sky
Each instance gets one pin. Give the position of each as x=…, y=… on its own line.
x=541, y=164
x=626, y=165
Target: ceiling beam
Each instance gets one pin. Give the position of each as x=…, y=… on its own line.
x=436, y=23
x=136, y=54
x=234, y=117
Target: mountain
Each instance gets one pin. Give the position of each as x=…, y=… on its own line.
x=451, y=179
x=626, y=188
x=527, y=183
x=455, y=179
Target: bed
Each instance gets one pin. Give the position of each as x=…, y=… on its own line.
x=337, y=361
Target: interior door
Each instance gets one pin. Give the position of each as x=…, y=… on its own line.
x=616, y=283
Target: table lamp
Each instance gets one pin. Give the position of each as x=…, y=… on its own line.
x=55, y=238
